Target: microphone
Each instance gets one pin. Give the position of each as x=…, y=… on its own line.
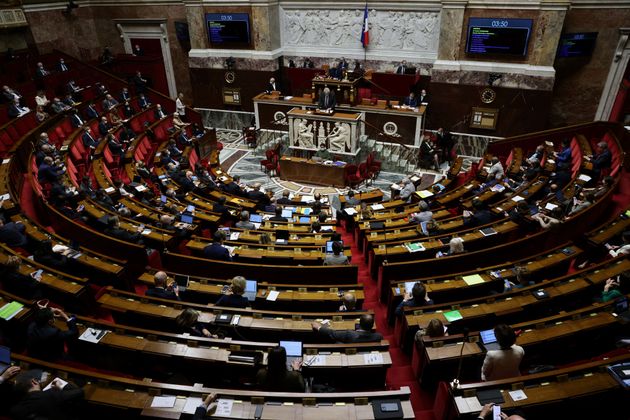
x=455, y=383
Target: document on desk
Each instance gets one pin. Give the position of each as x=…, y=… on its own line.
x=273, y=295
x=424, y=193
x=350, y=211
x=63, y=383
x=550, y=206
x=163, y=401
x=517, y=395
x=378, y=207
x=473, y=279
x=93, y=335
x=373, y=358
x=468, y=405
x=191, y=405
x=517, y=198
x=315, y=360
x=584, y=178
x=234, y=236
x=224, y=408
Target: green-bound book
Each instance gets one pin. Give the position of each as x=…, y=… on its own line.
x=415, y=247
x=10, y=310
x=453, y=316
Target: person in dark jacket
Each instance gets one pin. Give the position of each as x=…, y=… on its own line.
x=45, y=255
x=18, y=283
x=362, y=335
x=13, y=234
x=45, y=340
x=162, y=288
x=276, y=377
x=233, y=297
x=418, y=297
x=216, y=250
x=35, y=403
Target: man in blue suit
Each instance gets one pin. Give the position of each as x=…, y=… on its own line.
x=216, y=250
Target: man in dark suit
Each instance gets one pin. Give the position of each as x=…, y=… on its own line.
x=47, y=172
x=75, y=119
x=137, y=51
x=258, y=196
x=220, y=207
x=91, y=112
x=233, y=187
x=104, y=126
x=62, y=66
x=273, y=85
x=285, y=198
x=327, y=100
x=139, y=82
x=88, y=139
x=161, y=289
x=12, y=234
x=216, y=250
x=481, y=215
x=8, y=94
x=40, y=71
x=35, y=403
x=602, y=160
x=125, y=95
x=44, y=339
x=401, y=67
x=109, y=102
x=362, y=335
x=423, y=97
x=445, y=144
x=183, y=140
x=278, y=217
x=113, y=229
x=159, y=113
x=411, y=100
x=143, y=102
x=15, y=110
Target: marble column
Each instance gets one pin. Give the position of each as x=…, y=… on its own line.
x=451, y=26
x=548, y=30
x=196, y=24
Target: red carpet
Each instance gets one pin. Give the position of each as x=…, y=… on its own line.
x=400, y=374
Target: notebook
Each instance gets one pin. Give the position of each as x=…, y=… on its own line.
x=294, y=351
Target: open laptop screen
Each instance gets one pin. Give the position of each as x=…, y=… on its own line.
x=293, y=348
x=487, y=336
x=255, y=218
x=251, y=288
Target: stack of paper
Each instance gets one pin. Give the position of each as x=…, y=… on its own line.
x=468, y=405
x=373, y=358
x=166, y=401
x=473, y=279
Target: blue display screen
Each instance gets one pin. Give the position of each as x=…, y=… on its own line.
x=228, y=28
x=498, y=36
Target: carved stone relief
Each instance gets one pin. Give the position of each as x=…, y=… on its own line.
x=405, y=31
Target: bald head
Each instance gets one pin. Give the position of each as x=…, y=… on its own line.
x=349, y=301
x=159, y=279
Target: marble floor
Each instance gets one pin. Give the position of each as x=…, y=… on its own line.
x=240, y=160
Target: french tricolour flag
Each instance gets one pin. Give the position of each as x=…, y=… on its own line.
x=365, y=34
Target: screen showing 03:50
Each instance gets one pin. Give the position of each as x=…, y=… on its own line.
x=228, y=28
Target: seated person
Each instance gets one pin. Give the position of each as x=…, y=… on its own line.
x=601, y=160
x=114, y=230
x=611, y=290
x=407, y=189
x=624, y=249
x=276, y=377
x=285, y=198
x=233, y=297
x=348, y=303
x=337, y=257
x=503, y=363
x=45, y=255
x=46, y=341
x=363, y=334
x=18, y=283
x=554, y=218
x=188, y=322
x=455, y=246
x=278, y=216
x=411, y=100
x=563, y=159
x=244, y=223
x=418, y=297
x=35, y=403
x=496, y=172
x=220, y=208
x=351, y=200
x=434, y=329
x=424, y=215
x=13, y=234
x=480, y=215
x=323, y=152
x=588, y=198
x=216, y=250
x=162, y=288
x=178, y=124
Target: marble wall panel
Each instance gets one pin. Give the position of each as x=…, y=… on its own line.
x=451, y=24
x=580, y=81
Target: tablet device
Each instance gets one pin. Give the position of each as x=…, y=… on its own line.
x=186, y=218
x=287, y=213
x=255, y=218
x=251, y=289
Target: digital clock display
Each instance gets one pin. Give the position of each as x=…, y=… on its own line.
x=228, y=29
x=498, y=36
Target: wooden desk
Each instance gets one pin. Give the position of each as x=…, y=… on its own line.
x=307, y=171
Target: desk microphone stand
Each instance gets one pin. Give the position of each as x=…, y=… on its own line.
x=455, y=383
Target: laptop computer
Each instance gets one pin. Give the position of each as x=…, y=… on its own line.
x=182, y=281
x=255, y=218
x=489, y=340
x=622, y=308
x=329, y=245
x=186, y=218
x=305, y=219
x=190, y=208
x=251, y=289
x=294, y=351
x=163, y=199
x=5, y=358
x=287, y=213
